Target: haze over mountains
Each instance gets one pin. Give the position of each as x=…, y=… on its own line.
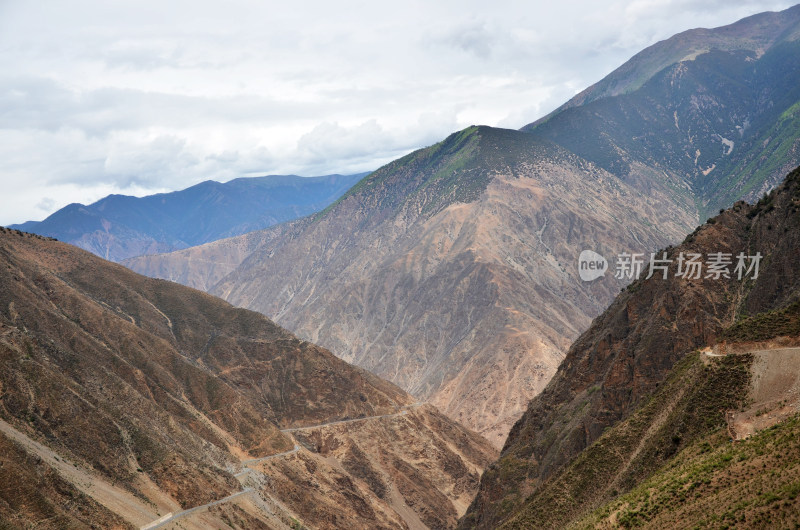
x=119, y=226
x=452, y=271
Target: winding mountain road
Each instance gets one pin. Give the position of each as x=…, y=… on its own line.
x=264, y=458
x=168, y=518
x=404, y=411
x=158, y=523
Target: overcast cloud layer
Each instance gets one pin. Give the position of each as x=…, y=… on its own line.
x=145, y=96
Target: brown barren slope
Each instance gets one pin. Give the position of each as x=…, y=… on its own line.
x=204, y=266
x=452, y=272
x=160, y=392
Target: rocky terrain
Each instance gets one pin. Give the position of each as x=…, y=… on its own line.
x=452, y=271
x=119, y=227
x=466, y=304
x=125, y=399
x=630, y=394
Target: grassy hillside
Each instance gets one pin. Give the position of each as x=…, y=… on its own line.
x=714, y=483
x=765, y=326
x=689, y=406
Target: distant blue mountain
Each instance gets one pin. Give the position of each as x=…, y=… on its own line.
x=120, y=226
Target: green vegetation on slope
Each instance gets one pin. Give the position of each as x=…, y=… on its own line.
x=442, y=159
x=714, y=483
x=689, y=406
x=455, y=170
x=765, y=326
x=767, y=154
x=720, y=127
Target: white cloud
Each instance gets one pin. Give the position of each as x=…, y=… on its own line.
x=134, y=97
x=331, y=141
x=46, y=204
x=473, y=37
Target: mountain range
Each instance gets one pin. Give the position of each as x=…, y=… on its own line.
x=125, y=401
x=120, y=226
x=452, y=271
x=496, y=386
x=716, y=108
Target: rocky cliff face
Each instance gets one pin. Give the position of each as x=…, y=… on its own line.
x=629, y=350
x=139, y=397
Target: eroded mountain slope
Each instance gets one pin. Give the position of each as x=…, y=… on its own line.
x=719, y=107
x=160, y=398
x=626, y=354
x=203, y=266
x=468, y=304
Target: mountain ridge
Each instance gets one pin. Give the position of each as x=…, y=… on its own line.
x=118, y=227
x=725, y=123
x=683, y=46
x=442, y=253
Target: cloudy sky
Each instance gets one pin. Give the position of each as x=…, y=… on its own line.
x=136, y=97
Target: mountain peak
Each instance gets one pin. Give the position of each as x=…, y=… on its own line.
x=756, y=33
